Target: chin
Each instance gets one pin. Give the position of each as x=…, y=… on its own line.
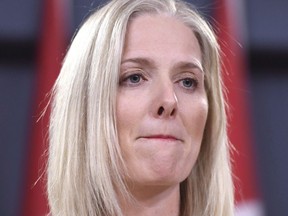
x=163, y=178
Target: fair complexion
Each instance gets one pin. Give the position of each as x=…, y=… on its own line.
x=161, y=111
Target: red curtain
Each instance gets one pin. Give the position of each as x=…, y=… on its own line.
x=228, y=28
x=51, y=49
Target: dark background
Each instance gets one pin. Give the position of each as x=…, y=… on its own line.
x=266, y=49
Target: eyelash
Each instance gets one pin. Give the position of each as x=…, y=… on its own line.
x=127, y=79
x=194, y=83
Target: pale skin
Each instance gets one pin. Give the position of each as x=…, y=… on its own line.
x=161, y=111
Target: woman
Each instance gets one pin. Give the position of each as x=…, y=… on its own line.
x=138, y=123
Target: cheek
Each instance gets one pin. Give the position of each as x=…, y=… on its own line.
x=198, y=112
x=128, y=117
x=123, y=118
x=126, y=113
x=194, y=118
x=196, y=125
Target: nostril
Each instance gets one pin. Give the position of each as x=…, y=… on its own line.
x=160, y=110
x=172, y=113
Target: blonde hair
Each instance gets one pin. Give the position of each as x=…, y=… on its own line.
x=85, y=166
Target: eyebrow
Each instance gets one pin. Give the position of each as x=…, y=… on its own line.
x=151, y=63
x=189, y=65
x=141, y=61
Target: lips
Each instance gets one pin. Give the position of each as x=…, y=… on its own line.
x=161, y=137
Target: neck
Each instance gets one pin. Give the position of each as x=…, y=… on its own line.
x=153, y=200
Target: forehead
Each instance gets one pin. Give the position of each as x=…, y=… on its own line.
x=160, y=35
x=151, y=26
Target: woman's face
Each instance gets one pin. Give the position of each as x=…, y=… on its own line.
x=161, y=101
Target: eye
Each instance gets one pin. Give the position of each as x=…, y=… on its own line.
x=189, y=83
x=132, y=79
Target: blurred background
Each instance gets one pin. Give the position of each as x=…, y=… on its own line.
x=34, y=36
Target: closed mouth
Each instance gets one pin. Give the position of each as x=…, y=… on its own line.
x=162, y=137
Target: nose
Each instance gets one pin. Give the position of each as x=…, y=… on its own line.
x=166, y=102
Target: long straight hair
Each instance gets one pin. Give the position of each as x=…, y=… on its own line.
x=85, y=166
